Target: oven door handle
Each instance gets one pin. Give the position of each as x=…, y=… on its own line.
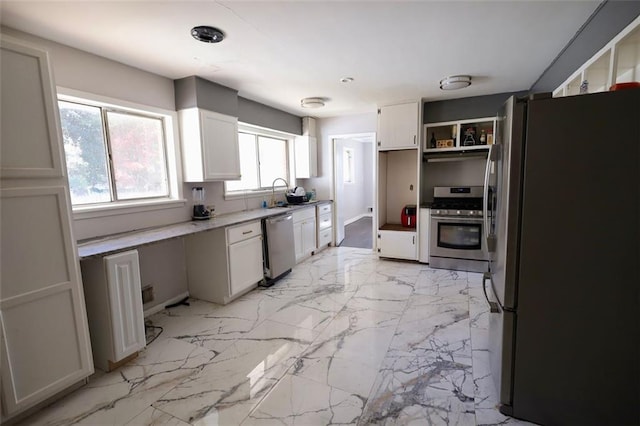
x=457, y=219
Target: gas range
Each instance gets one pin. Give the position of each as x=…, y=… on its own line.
x=456, y=229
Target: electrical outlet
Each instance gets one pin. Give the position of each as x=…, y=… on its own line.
x=147, y=294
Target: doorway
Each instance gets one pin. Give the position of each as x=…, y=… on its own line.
x=354, y=188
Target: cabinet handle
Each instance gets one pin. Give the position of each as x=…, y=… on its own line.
x=246, y=232
x=414, y=139
x=414, y=240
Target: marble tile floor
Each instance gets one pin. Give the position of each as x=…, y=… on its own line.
x=345, y=338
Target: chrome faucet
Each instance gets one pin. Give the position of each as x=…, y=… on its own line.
x=273, y=190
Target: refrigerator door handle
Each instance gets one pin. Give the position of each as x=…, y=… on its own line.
x=494, y=307
x=485, y=194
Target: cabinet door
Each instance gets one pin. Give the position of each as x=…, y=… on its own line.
x=424, y=222
x=306, y=155
x=308, y=236
x=45, y=339
x=221, y=158
x=245, y=264
x=29, y=114
x=398, y=126
x=397, y=244
x=125, y=303
x=298, y=240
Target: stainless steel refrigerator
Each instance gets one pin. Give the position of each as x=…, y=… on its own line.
x=562, y=193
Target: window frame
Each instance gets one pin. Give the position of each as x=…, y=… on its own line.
x=261, y=192
x=348, y=159
x=169, y=120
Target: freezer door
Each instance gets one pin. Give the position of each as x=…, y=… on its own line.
x=501, y=346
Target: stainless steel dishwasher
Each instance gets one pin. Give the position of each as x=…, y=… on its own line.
x=279, y=252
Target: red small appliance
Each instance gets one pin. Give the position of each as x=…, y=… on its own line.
x=409, y=216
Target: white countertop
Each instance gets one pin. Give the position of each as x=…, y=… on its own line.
x=132, y=239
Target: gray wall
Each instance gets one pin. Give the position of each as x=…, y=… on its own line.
x=606, y=22
x=464, y=108
x=195, y=91
x=265, y=116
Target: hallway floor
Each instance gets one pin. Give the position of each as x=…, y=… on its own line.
x=345, y=338
x=359, y=234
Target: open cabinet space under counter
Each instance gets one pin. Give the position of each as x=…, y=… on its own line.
x=396, y=203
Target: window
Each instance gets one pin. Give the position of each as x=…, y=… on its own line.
x=348, y=168
x=262, y=160
x=113, y=155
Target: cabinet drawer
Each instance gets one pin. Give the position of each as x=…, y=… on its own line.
x=303, y=214
x=324, y=237
x=324, y=209
x=243, y=232
x=324, y=221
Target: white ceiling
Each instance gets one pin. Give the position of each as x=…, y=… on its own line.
x=277, y=53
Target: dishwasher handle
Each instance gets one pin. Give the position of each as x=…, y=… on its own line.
x=280, y=218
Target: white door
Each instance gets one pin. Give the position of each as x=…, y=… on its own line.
x=245, y=264
x=308, y=236
x=43, y=324
x=339, y=189
x=398, y=126
x=125, y=300
x=297, y=241
x=397, y=244
x=221, y=154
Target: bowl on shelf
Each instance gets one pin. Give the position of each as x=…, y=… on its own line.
x=621, y=86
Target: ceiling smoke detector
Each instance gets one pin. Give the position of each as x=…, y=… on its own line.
x=312, y=103
x=455, y=82
x=207, y=34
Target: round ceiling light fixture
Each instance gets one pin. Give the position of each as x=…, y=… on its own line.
x=455, y=82
x=312, y=103
x=207, y=34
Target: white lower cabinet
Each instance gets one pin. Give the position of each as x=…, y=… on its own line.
x=425, y=221
x=304, y=232
x=224, y=263
x=325, y=225
x=113, y=293
x=397, y=244
x=245, y=264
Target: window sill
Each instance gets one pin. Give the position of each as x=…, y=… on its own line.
x=241, y=195
x=114, y=209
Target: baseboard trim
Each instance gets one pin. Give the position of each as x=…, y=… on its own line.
x=354, y=219
x=160, y=307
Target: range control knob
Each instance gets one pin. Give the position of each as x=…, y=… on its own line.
x=458, y=212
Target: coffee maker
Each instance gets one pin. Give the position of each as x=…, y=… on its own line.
x=200, y=211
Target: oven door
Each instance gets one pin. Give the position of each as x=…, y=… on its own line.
x=457, y=237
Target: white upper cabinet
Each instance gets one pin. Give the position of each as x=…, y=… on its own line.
x=398, y=126
x=306, y=154
x=209, y=145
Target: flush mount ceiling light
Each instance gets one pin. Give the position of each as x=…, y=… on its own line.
x=312, y=103
x=207, y=34
x=455, y=82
